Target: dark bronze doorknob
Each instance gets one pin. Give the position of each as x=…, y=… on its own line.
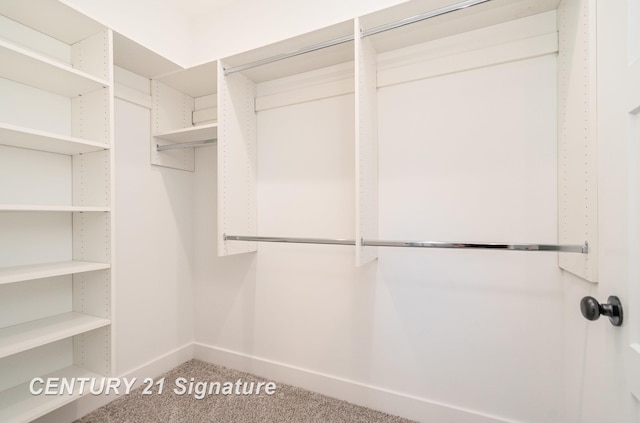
x=592, y=310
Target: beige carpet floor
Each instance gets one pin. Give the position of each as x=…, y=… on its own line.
x=176, y=405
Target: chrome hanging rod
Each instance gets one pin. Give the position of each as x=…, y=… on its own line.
x=421, y=17
x=185, y=145
x=348, y=38
x=583, y=249
x=290, y=240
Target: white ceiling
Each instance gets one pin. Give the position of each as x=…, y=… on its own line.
x=193, y=9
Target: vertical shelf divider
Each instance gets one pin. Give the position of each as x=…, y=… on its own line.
x=366, y=113
x=577, y=139
x=93, y=183
x=237, y=161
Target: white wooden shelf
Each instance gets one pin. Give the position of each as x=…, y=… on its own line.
x=48, y=270
x=35, y=70
x=195, y=82
x=33, y=139
x=22, y=337
x=18, y=405
x=448, y=24
x=312, y=60
x=191, y=134
x=50, y=208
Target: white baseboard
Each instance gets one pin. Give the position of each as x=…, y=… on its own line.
x=89, y=403
x=388, y=401
x=161, y=364
x=396, y=403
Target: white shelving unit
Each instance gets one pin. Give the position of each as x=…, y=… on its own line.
x=317, y=86
x=56, y=152
x=483, y=36
x=56, y=170
x=184, y=110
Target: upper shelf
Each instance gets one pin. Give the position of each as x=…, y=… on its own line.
x=195, y=82
x=53, y=18
x=467, y=19
x=393, y=28
x=191, y=134
x=33, y=69
x=16, y=136
x=317, y=59
x=130, y=55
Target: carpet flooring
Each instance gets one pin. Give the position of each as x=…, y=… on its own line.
x=229, y=396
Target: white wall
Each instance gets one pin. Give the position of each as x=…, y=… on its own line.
x=154, y=247
x=472, y=156
x=466, y=336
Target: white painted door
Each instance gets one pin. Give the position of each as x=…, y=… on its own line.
x=618, y=68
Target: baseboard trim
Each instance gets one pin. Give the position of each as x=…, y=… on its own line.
x=385, y=400
x=388, y=401
x=161, y=364
x=89, y=403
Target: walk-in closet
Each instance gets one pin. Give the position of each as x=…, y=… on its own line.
x=407, y=210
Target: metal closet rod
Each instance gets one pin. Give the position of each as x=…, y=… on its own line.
x=283, y=56
x=421, y=17
x=185, y=145
x=583, y=249
x=347, y=38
